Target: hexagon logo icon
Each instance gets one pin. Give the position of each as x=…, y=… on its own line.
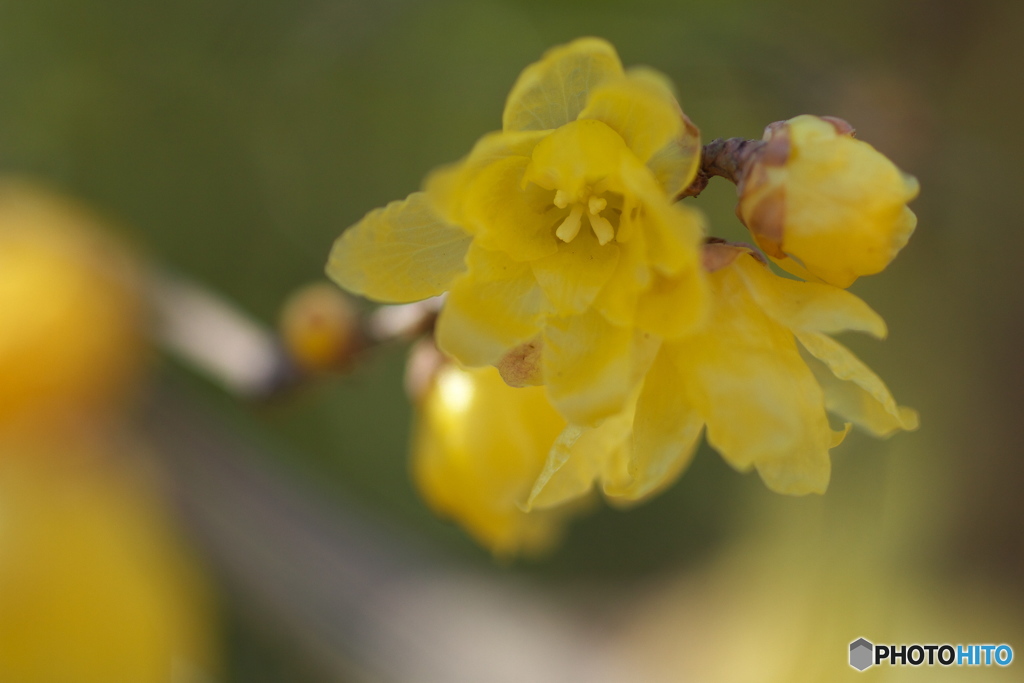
x=861, y=652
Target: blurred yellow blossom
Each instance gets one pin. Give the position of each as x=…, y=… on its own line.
x=824, y=205
x=94, y=584
x=70, y=327
x=481, y=445
x=560, y=228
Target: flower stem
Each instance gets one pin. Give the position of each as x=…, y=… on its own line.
x=726, y=158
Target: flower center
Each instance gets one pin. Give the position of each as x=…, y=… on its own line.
x=592, y=206
x=581, y=162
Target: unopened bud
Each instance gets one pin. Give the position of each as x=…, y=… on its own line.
x=319, y=327
x=824, y=205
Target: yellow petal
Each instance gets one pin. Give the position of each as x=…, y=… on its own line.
x=588, y=366
x=553, y=91
x=617, y=301
x=641, y=108
x=808, y=306
x=506, y=216
x=758, y=404
x=675, y=165
x=572, y=277
x=578, y=156
x=494, y=307
x=754, y=391
x=447, y=185
x=804, y=469
x=666, y=430
x=852, y=390
x=673, y=232
x=402, y=252
x=675, y=305
x=579, y=457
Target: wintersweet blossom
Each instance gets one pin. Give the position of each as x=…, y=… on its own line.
x=70, y=313
x=558, y=231
x=481, y=445
x=95, y=583
x=824, y=205
x=759, y=378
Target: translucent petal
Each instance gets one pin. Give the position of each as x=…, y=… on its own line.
x=402, y=252
x=675, y=165
x=808, y=306
x=446, y=186
x=852, y=390
x=569, y=487
x=553, y=91
x=580, y=456
x=666, y=430
x=494, y=307
x=641, y=108
x=572, y=277
x=806, y=468
x=588, y=366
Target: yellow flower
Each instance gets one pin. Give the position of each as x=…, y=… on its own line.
x=70, y=315
x=95, y=585
x=824, y=205
x=560, y=228
x=480, y=447
x=759, y=376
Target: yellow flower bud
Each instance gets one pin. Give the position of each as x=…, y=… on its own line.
x=479, y=447
x=823, y=205
x=319, y=327
x=70, y=333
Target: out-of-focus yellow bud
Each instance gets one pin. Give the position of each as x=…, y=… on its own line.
x=479, y=447
x=319, y=327
x=824, y=205
x=70, y=333
x=94, y=585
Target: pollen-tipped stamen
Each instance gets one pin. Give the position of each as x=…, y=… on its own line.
x=570, y=227
x=602, y=228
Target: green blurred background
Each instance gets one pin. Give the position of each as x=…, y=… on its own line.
x=233, y=141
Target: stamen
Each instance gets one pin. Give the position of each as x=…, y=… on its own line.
x=561, y=199
x=602, y=228
x=597, y=205
x=570, y=227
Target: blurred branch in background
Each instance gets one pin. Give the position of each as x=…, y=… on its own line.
x=351, y=593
